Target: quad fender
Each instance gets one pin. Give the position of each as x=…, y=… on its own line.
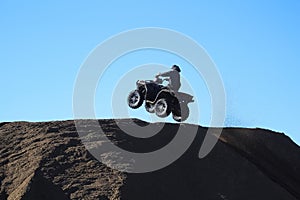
x=151, y=92
x=166, y=94
x=184, y=97
x=142, y=89
x=153, y=97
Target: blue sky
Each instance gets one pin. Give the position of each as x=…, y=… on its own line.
x=255, y=45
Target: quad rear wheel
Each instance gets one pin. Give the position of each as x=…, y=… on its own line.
x=181, y=113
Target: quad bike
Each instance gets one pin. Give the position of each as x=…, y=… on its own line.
x=160, y=99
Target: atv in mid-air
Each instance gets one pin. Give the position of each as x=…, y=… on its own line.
x=160, y=99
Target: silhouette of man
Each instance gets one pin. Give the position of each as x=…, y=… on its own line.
x=173, y=77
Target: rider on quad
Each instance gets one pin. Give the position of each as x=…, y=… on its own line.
x=162, y=100
x=173, y=77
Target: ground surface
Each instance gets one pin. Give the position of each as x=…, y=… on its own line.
x=47, y=160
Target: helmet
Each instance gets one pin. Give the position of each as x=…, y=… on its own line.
x=175, y=67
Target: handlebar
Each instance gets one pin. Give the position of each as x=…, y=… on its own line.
x=156, y=80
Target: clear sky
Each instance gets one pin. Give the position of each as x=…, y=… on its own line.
x=254, y=44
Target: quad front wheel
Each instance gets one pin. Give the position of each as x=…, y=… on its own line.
x=162, y=108
x=135, y=99
x=150, y=107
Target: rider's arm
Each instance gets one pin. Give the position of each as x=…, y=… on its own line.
x=165, y=74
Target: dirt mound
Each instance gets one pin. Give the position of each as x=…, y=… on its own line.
x=47, y=160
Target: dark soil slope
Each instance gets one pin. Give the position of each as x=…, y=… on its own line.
x=47, y=160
